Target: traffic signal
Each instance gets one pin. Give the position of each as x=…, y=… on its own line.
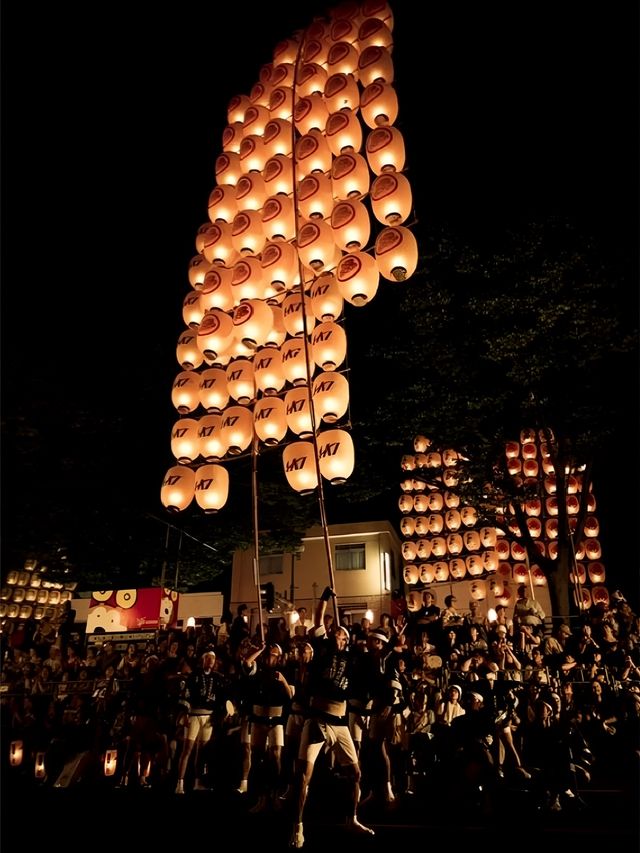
x=267, y=596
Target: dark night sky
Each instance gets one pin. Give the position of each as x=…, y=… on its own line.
x=112, y=120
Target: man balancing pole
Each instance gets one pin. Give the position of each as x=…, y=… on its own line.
x=326, y=726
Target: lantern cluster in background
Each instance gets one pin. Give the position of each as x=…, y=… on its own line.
x=444, y=540
x=308, y=211
x=29, y=594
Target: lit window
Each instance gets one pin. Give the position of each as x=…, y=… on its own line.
x=272, y=564
x=350, y=558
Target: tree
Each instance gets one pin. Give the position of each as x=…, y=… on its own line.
x=527, y=334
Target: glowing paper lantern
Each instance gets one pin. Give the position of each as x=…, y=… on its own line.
x=294, y=362
x=268, y=373
x=315, y=196
x=582, y=598
x=222, y=203
x=407, y=526
x=439, y=546
x=253, y=154
x=16, y=753
x=227, y=168
x=177, y=488
x=298, y=411
x=350, y=225
x=311, y=77
x=187, y=352
x=457, y=568
x=405, y=503
x=312, y=154
x=421, y=525
x=216, y=290
x=247, y=232
x=379, y=104
x=341, y=92
x=240, y=380
x=374, y=31
x=427, y=572
x=316, y=248
x=474, y=565
x=579, y=574
x=375, y=64
x=110, y=762
x=455, y=543
x=310, y=113
x=350, y=176
x=423, y=549
x=213, y=445
x=211, y=487
x=237, y=428
x=421, y=503
x=330, y=395
x=326, y=300
x=278, y=218
x=441, y=570
x=391, y=198
x=252, y=321
x=278, y=175
x=396, y=253
x=436, y=522
x=408, y=550
x=198, y=266
x=358, y=277
x=596, y=572
x=185, y=445
x=600, y=595
x=385, y=150
x=184, y=393
x=215, y=333
x=343, y=132
x=213, y=394
x=299, y=466
x=329, y=345
x=250, y=192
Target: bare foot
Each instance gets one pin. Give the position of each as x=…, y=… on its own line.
x=358, y=827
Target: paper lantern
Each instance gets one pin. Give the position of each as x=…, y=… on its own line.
x=573, y=504
x=533, y=507
x=391, y=198
x=514, y=466
x=422, y=525
x=596, y=572
x=297, y=411
x=375, y=64
x=214, y=241
x=238, y=105
x=297, y=316
x=198, y=266
x=310, y=113
x=405, y=503
x=600, y=596
x=330, y=395
x=490, y=560
x=452, y=501
x=408, y=462
x=550, y=484
x=343, y=58
x=215, y=333
x=295, y=367
x=582, y=598
x=439, y=546
x=343, y=132
x=213, y=394
x=421, y=503
x=316, y=248
x=341, y=92
x=520, y=572
x=300, y=467
x=427, y=572
x=436, y=522
x=441, y=570
x=551, y=528
x=252, y=321
x=237, y=428
x=211, y=488
x=277, y=334
x=457, y=568
x=478, y=590
x=268, y=372
x=216, y=290
x=316, y=45
x=227, y=168
x=471, y=539
x=311, y=77
x=185, y=444
x=593, y=549
x=578, y=575
x=255, y=120
x=278, y=175
x=240, y=380
x=177, y=488
x=358, y=277
x=423, y=549
x=379, y=104
x=250, y=193
x=326, y=300
x=213, y=445
x=253, y=154
x=534, y=526
x=396, y=253
x=232, y=136
x=187, y=352
x=591, y=526
x=407, y=526
x=247, y=233
x=185, y=391
x=312, y=154
x=374, y=32
x=191, y=310
x=350, y=176
x=281, y=102
x=538, y=576
x=39, y=768
x=385, y=150
x=315, y=196
x=530, y=468
x=408, y=551
x=410, y=573
x=350, y=225
x=551, y=506
x=278, y=218
x=329, y=345
x=222, y=203
x=455, y=543
x=518, y=551
x=551, y=546
x=453, y=520
x=421, y=443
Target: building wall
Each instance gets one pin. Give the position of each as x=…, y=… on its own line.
x=305, y=575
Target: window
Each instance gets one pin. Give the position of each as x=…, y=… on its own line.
x=272, y=564
x=350, y=558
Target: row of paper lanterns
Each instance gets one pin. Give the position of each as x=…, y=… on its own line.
x=209, y=484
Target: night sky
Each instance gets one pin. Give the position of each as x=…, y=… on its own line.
x=113, y=118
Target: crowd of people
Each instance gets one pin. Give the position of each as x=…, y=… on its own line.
x=438, y=696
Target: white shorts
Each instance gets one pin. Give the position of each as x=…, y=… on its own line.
x=317, y=734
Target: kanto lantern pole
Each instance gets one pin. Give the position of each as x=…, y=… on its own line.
x=256, y=545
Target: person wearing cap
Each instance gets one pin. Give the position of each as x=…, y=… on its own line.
x=557, y=645
x=268, y=695
x=206, y=694
x=326, y=727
